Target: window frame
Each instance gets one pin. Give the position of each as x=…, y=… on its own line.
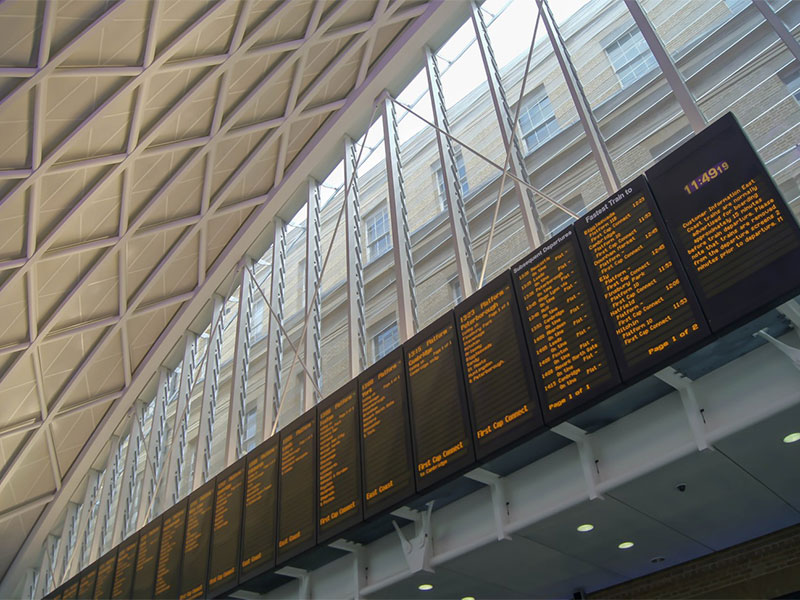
x=371, y=245
x=631, y=66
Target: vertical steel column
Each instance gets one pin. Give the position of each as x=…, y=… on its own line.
x=356, y=320
x=106, y=496
x=29, y=585
x=590, y=126
x=64, y=543
x=128, y=481
x=155, y=449
x=779, y=27
x=81, y=530
x=505, y=121
x=205, y=428
x=272, y=381
x=311, y=345
x=401, y=238
x=459, y=226
x=45, y=582
x=241, y=362
x=177, y=458
x=671, y=73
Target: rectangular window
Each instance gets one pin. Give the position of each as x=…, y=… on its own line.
x=379, y=236
x=462, y=179
x=630, y=57
x=385, y=341
x=250, y=427
x=792, y=82
x=537, y=121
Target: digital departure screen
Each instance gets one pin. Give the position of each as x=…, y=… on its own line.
x=145, y=573
x=196, y=542
x=105, y=575
x=736, y=238
x=297, y=487
x=223, y=562
x=500, y=387
x=650, y=309
x=385, y=434
x=260, y=502
x=170, y=551
x=339, y=459
x=441, y=431
x=71, y=589
x=567, y=341
x=88, y=579
x=126, y=563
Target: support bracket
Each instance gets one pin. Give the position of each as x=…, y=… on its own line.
x=302, y=576
x=359, y=566
x=500, y=504
x=791, y=352
x=591, y=472
x=694, y=414
x=418, y=551
x=791, y=310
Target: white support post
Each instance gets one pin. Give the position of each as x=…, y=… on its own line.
x=64, y=543
x=500, y=505
x=46, y=582
x=313, y=377
x=459, y=226
x=74, y=562
x=590, y=127
x=793, y=354
x=128, y=480
x=591, y=473
x=241, y=361
x=205, y=428
x=106, y=495
x=177, y=459
x=694, y=415
x=516, y=161
x=401, y=237
x=155, y=450
x=356, y=319
x=29, y=586
x=668, y=68
x=272, y=381
x=359, y=568
x=303, y=576
x=779, y=27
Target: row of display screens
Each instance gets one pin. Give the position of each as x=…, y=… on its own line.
x=702, y=243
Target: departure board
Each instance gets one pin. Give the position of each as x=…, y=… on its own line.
x=649, y=307
x=144, y=575
x=196, y=542
x=126, y=564
x=170, y=550
x=260, y=502
x=567, y=341
x=297, y=487
x=88, y=579
x=736, y=238
x=70, y=589
x=441, y=432
x=223, y=562
x=388, y=474
x=500, y=387
x=339, y=460
x=105, y=575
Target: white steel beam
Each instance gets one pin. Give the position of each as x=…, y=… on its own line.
x=64, y=543
x=311, y=344
x=74, y=561
x=177, y=456
x=107, y=484
x=154, y=451
x=241, y=363
x=128, y=477
x=356, y=302
x=274, y=352
x=779, y=27
x=44, y=583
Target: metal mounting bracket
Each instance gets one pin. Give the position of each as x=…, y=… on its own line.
x=792, y=353
x=500, y=505
x=302, y=576
x=694, y=414
x=791, y=310
x=419, y=550
x=589, y=464
x=359, y=566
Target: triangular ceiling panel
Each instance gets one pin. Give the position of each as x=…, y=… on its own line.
x=245, y=76
x=256, y=179
x=19, y=45
x=144, y=329
x=193, y=118
x=176, y=17
x=221, y=230
x=55, y=278
x=118, y=41
x=299, y=135
x=9, y=444
x=14, y=324
x=149, y=173
x=18, y=398
x=71, y=431
x=268, y=102
x=183, y=198
x=213, y=36
x=384, y=37
x=166, y=90
x=103, y=376
x=61, y=358
x=145, y=252
x=290, y=24
x=12, y=223
x=319, y=57
x=229, y=156
x=177, y=277
x=73, y=17
x=32, y=476
x=258, y=12
x=337, y=87
x=16, y=112
x=357, y=12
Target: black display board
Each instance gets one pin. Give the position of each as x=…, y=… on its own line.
x=168, y=569
x=259, y=517
x=388, y=472
x=568, y=345
x=223, y=561
x=500, y=387
x=297, y=487
x=440, y=428
x=196, y=542
x=54, y=594
x=650, y=310
x=126, y=564
x=339, y=459
x=736, y=238
x=105, y=575
x=88, y=579
x=71, y=589
x=144, y=575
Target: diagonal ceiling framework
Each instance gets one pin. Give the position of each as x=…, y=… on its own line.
x=144, y=141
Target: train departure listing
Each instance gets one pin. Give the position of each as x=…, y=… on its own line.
x=260, y=500
x=339, y=464
x=297, y=488
x=439, y=416
x=123, y=574
x=224, y=561
x=501, y=393
x=566, y=338
x=105, y=575
x=651, y=310
x=145, y=572
x=196, y=541
x=388, y=473
x=169, y=554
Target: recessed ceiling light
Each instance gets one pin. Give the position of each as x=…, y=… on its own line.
x=468, y=598
x=585, y=527
x=792, y=438
x=625, y=545
x=425, y=587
